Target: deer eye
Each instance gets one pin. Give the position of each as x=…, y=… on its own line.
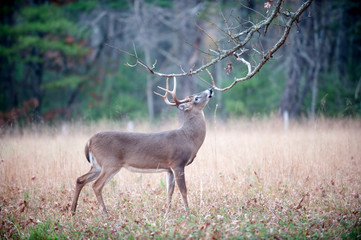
x=196, y=99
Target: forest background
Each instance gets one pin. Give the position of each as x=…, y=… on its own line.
x=56, y=65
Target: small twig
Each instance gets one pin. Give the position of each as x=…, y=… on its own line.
x=120, y=50
x=300, y=202
x=205, y=32
x=299, y=205
x=257, y=51
x=138, y=61
x=251, y=9
x=131, y=65
x=135, y=50
x=213, y=51
x=234, y=40
x=155, y=63
x=210, y=74
x=226, y=22
x=180, y=66
x=192, y=45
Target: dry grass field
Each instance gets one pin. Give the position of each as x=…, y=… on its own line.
x=251, y=179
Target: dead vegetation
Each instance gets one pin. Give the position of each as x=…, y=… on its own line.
x=251, y=179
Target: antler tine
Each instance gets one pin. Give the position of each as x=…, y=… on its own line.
x=172, y=93
x=165, y=96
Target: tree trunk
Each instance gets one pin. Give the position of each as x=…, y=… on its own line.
x=149, y=90
x=188, y=44
x=36, y=85
x=290, y=92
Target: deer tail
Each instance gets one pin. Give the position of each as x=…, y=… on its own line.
x=87, y=151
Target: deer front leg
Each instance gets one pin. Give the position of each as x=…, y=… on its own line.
x=180, y=178
x=170, y=189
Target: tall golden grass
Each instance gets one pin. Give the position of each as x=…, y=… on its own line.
x=248, y=173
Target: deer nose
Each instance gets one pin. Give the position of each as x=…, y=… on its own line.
x=210, y=92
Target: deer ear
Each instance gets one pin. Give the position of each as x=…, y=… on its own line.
x=184, y=107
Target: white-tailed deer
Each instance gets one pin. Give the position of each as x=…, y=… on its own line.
x=168, y=151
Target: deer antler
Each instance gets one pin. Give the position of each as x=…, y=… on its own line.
x=172, y=93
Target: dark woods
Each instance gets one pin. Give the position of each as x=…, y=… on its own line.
x=55, y=64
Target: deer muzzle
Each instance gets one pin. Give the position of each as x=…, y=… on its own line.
x=211, y=92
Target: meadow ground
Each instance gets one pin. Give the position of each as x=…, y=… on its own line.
x=251, y=179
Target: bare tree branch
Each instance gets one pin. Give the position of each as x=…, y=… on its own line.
x=279, y=43
x=247, y=35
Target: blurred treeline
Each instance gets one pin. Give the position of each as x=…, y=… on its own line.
x=55, y=64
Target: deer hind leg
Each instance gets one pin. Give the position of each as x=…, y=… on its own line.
x=180, y=178
x=105, y=175
x=170, y=188
x=80, y=183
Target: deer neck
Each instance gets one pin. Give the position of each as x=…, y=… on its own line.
x=194, y=127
